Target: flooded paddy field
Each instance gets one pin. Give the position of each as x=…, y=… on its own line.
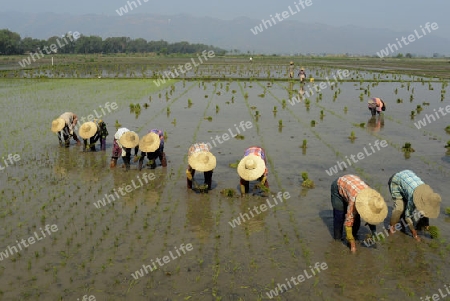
x=109, y=250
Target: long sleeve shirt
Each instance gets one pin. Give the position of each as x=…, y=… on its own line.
x=402, y=187
x=257, y=151
x=160, y=133
x=117, y=136
x=196, y=148
x=349, y=186
x=70, y=119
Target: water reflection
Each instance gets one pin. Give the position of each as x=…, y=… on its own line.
x=375, y=123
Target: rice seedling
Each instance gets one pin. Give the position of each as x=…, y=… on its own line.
x=275, y=110
x=228, y=192
x=399, y=100
x=362, y=124
x=447, y=145
x=434, y=232
x=117, y=124
x=407, y=148
x=413, y=114
x=217, y=109
x=419, y=108
x=313, y=123
x=345, y=110
x=209, y=118
x=304, y=144
x=352, y=136
x=189, y=102
x=447, y=210
x=235, y=164
x=280, y=123
x=307, y=182
x=239, y=137
x=447, y=129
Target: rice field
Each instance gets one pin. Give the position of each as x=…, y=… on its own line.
x=98, y=250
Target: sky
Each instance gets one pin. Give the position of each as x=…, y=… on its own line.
x=398, y=15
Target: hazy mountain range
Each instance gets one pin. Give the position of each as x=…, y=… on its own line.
x=286, y=37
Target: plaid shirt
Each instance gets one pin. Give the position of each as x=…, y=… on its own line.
x=197, y=148
x=349, y=186
x=402, y=187
x=257, y=151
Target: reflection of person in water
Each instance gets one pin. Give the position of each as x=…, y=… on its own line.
x=374, y=124
x=199, y=216
x=301, y=91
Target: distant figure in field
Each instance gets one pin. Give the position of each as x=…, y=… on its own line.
x=63, y=126
x=376, y=105
x=291, y=69
x=302, y=74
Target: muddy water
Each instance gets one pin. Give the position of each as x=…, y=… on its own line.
x=95, y=250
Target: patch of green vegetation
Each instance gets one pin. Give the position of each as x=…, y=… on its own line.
x=235, y=164
x=307, y=182
x=228, y=192
x=407, y=148
x=434, y=232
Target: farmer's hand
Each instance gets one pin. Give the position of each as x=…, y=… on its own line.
x=352, y=246
x=391, y=229
x=415, y=236
x=188, y=175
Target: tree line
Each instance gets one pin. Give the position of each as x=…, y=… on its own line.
x=11, y=43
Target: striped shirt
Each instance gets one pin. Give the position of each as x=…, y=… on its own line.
x=349, y=186
x=402, y=187
x=257, y=151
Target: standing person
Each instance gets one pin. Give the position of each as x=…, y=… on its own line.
x=291, y=69
x=103, y=134
x=376, y=105
x=90, y=130
x=152, y=147
x=252, y=167
x=302, y=74
x=200, y=158
x=351, y=199
x=63, y=126
x=411, y=194
x=124, y=141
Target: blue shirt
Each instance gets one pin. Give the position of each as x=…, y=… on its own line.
x=402, y=186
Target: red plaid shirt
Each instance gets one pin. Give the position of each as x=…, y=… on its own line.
x=257, y=151
x=349, y=186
